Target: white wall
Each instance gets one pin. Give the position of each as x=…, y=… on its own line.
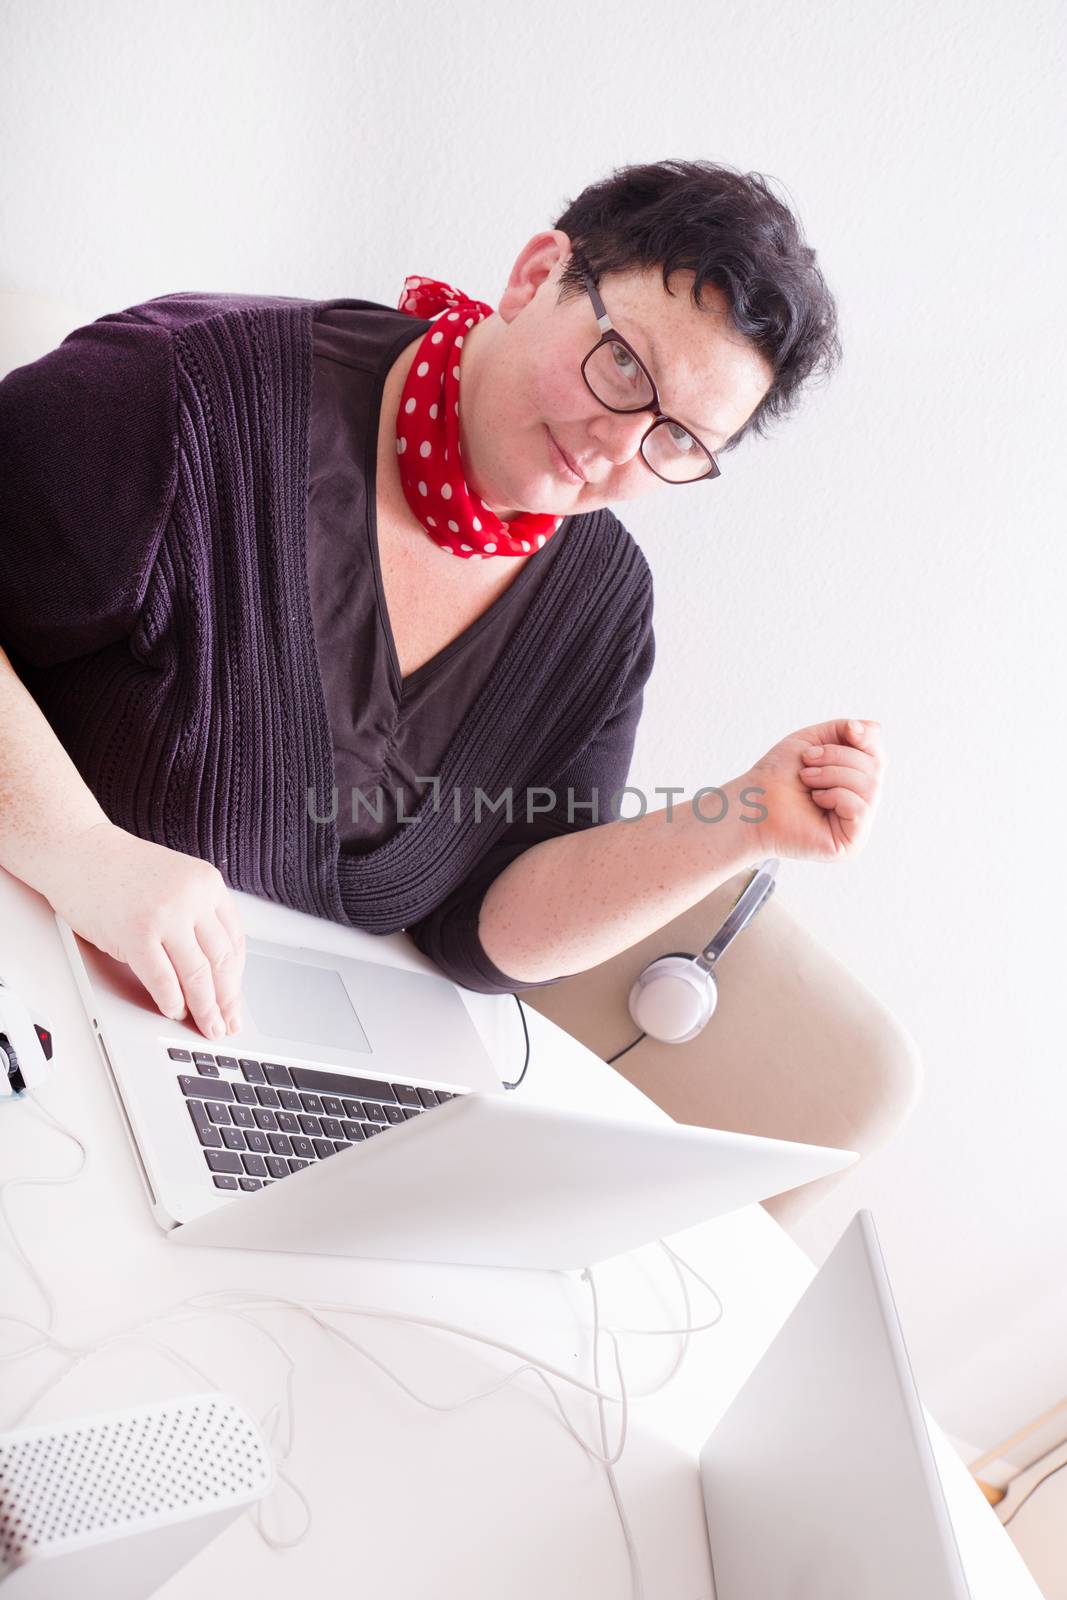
x=897, y=552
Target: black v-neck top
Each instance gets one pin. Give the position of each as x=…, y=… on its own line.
x=389, y=734
x=155, y=600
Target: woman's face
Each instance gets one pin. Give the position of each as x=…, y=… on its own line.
x=522, y=385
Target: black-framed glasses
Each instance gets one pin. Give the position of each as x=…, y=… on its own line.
x=616, y=376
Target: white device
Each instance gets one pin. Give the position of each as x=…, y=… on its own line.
x=481, y=1178
x=113, y=1504
x=25, y=1047
x=820, y=1481
x=675, y=996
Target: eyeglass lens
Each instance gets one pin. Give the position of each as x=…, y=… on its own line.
x=618, y=381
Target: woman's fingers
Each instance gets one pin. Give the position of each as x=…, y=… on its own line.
x=843, y=755
x=152, y=965
x=196, y=974
x=867, y=736
x=215, y=941
x=849, y=806
x=230, y=918
x=855, y=778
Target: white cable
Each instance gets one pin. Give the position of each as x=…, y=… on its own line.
x=636, y=1574
x=542, y=1370
x=14, y=1183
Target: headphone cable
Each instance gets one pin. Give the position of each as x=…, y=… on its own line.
x=526, y=1031
x=623, y=1051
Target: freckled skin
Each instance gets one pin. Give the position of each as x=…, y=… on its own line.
x=521, y=370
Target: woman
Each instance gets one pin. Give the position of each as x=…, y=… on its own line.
x=323, y=600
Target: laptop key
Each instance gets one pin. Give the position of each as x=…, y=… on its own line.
x=311, y=1102
x=178, y=1055
x=250, y=1183
x=339, y=1145
x=206, y=1088
x=286, y=1121
x=252, y=1070
x=342, y=1084
x=280, y=1143
x=352, y=1130
x=331, y=1128
x=265, y=1119
x=289, y=1099
x=393, y=1114
x=257, y=1141
x=224, y=1181
x=242, y=1117
x=370, y=1128
x=310, y=1125
x=373, y=1112
x=245, y=1093
x=226, y=1061
x=218, y=1112
x=222, y=1161
x=352, y=1108
x=269, y=1097
x=323, y=1147
x=203, y=1057
x=233, y=1138
x=408, y=1095
x=277, y=1166
x=277, y=1074
x=332, y=1105
x=427, y=1097
x=198, y=1112
x=296, y=1166
x=255, y=1166
x=410, y=1111
x=302, y=1147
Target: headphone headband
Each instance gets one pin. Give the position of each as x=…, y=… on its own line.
x=759, y=888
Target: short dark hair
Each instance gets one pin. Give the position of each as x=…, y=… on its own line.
x=728, y=228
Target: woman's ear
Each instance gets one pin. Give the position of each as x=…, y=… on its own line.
x=543, y=255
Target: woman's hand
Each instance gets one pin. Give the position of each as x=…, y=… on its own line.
x=169, y=916
x=820, y=807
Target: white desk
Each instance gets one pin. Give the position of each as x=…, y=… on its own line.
x=491, y=1499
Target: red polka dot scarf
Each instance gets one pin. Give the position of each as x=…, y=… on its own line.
x=428, y=438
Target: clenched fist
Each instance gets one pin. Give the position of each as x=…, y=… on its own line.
x=821, y=787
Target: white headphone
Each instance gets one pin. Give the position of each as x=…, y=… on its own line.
x=675, y=996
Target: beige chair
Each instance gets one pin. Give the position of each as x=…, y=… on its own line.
x=797, y=1047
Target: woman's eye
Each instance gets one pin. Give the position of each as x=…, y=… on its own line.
x=678, y=434
x=624, y=361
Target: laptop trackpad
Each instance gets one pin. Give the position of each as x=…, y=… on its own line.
x=302, y=1003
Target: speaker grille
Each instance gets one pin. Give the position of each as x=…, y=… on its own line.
x=110, y=1474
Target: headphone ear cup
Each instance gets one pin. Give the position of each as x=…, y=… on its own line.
x=673, y=999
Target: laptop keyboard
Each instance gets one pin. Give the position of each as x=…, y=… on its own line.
x=258, y=1121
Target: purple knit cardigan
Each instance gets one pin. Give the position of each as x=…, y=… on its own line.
x=154, y=598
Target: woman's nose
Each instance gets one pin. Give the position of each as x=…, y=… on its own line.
x=618, y=435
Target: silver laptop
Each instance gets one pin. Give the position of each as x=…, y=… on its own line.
x=367, y=1089
x=820, y=1481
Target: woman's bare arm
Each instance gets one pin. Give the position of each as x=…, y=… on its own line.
x=169, y=916
x=568, y=904
x=43, y=797
x=571, y=903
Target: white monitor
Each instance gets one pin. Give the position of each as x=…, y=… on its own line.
x=820, y=1481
